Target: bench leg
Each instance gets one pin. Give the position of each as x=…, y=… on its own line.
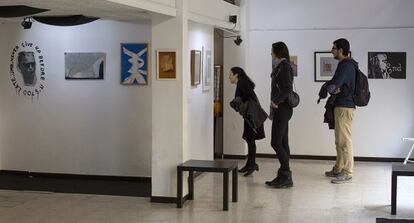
x=394, y=194
x=179, y=188
x=191, y=185
x=234, y=184
x=225, y=191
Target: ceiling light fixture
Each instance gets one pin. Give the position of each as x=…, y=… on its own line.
x=235, y=34
x=27, y=23
x=238, y=40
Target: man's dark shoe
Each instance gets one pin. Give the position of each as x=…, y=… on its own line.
x=332, y=173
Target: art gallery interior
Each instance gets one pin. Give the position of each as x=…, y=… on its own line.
x=115, y=139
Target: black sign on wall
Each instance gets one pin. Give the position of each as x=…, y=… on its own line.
x=387, y=65
x=27, y=70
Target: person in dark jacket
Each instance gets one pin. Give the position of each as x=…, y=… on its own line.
x=282, y=86
x=342, y=85
x=245, y=91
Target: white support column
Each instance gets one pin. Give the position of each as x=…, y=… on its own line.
x=168, y=102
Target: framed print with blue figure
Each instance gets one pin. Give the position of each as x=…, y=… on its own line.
x=134, y=63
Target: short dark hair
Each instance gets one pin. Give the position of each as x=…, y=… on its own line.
x=343, y=44
x=281, y=50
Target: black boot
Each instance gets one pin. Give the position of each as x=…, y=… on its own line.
x=251, y=170
x=285, y=180
x=272, y=182
x=244, y=169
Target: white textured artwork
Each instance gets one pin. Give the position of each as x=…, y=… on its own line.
x=84, y=65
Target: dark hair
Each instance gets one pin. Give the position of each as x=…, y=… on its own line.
x=343, y=44
x=281, y=50
x=242, y=75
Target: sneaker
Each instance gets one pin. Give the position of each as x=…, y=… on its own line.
x=332, y=173
x=342, y=178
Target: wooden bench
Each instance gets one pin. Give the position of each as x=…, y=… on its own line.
x=218, y=166
x=398, y=169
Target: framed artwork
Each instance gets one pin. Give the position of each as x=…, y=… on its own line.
x=134, y=63
x=195, y=67
x=84, y=66
x=207, y=70
x=387, y=65
x=325, y=66
x=294, y=65
x=166, y=65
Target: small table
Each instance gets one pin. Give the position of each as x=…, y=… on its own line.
x=218, y=166
x=398, y=170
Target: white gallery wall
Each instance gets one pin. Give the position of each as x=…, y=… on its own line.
x=97, y=127
x=375, y=25
x=200, y=103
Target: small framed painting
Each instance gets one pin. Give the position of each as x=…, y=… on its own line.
x=325, y=66
x=166, y=65
x=294, y=65
x=195, y=67
x=207, y=70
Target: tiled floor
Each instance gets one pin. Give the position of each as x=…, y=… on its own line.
x=313, y=199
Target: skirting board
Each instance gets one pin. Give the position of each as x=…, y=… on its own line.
x=167, y=200
x=75, y=183
x=75, y=176
x=309, y=157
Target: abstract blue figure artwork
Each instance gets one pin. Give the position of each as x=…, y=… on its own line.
x=134, y=63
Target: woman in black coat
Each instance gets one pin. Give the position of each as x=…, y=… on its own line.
x=245, y=92
x=282, y=86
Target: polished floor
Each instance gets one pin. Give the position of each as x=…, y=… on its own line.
x=313, y=199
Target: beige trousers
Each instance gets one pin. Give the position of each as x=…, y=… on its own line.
x=343, y=139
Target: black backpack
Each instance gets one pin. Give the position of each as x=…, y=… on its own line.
x=362, y=94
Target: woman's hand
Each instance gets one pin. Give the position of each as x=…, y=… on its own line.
x=273, y=105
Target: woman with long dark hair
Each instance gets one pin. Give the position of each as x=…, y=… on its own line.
x=245, y=92
x=282, y=86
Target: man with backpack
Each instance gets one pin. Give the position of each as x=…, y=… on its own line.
x=342, y=85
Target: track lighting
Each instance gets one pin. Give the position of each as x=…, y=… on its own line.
x=238, y=40
x=27, y=23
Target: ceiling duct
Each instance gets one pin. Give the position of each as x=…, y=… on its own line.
x=72, y=20
x=11, y=11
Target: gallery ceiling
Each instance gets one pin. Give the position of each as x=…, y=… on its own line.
x=93, y=8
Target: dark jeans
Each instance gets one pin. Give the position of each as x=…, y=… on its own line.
x=251, y=156
x=280, y=132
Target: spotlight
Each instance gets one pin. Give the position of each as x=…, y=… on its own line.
x=233, y=19
x=238, y=40
x=27, y=23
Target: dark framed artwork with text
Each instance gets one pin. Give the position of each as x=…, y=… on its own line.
x=387, y=65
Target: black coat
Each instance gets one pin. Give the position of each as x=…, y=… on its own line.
x=328, y=116
x=245, y=91
x=282, y=82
